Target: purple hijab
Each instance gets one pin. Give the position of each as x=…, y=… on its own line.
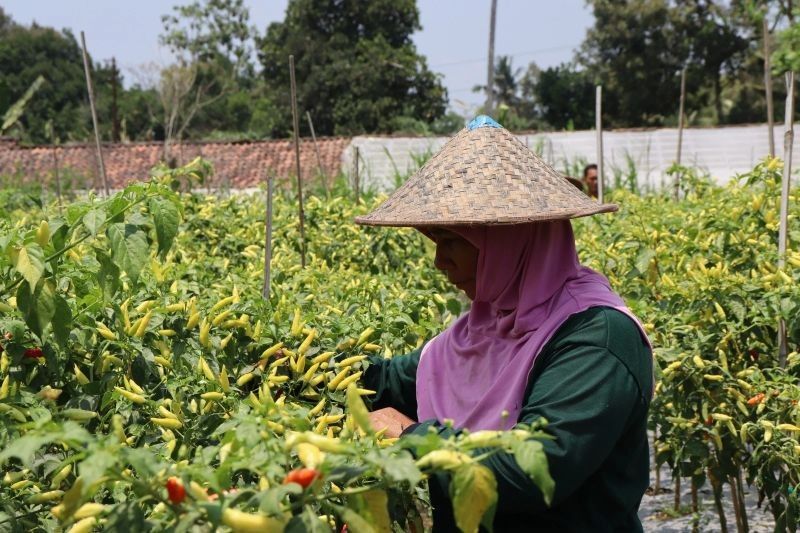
x=528, y=283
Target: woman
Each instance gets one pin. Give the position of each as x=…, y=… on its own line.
x=544, y=337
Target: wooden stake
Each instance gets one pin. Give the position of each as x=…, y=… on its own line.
x=265, y=290
x=101, y=165
x=788, y=140
x=356, y=180
x=297, y=161
x=598, y=113
x=316, y=149
x=490, y=76
x=768, y=88
x=680, y=132
x=677, y=494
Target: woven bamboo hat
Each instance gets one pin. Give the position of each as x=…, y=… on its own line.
x=483, y=175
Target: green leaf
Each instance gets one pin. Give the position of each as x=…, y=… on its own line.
x=531, y=458
x=400, y=468
x=39, y=308
x=30, y=263
x=128, y=248
x=96, y=464
x=108, y=275
x=93, y=220
x=473, y=490
x=373, y=506
x=166, y=217
x=62, y=320
x=307, y=522
x=24, y=448
x=354, y=521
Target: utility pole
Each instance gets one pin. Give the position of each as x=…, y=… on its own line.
x=490, y=76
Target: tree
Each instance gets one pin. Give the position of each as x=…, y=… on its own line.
x=357, y=69
x=564, y=97
x=213, y=41
x=506, y=83
x=29, y=52
x=637, y=49
x=211, y=31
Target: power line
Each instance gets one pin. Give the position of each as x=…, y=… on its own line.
x=515, y=54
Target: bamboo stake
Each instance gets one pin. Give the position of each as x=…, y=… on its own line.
x=695, y=509
x=768, y=88
x=101, y=165
x=297, y=161
x=680, y=133
x=788, y=140
x=599, y=127
x=57, y=175
x=490, y=75
x=356, y=180
x=316, y=149
x=265, y=290
x=657, y=488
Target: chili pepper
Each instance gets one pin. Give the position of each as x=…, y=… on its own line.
x=757, y=399
x=302, y=476
x=175, y=490
x=241, y=522
x=33, y=353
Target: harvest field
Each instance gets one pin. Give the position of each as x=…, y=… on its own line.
x=147, y=384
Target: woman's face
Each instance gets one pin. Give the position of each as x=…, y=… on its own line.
x=457, y=258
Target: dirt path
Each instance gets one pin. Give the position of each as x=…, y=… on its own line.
x=656, y=511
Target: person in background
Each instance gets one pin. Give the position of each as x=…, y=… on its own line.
x=576, y=182
x=544, y=337
x=590, y=180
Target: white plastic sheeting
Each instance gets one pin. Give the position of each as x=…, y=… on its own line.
x=640, y=155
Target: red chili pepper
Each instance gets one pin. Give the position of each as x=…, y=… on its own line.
x=709, y=421
x=757, y=399
x=175, y=490
x=302, y=476
x=753, y=354
x=33, y=353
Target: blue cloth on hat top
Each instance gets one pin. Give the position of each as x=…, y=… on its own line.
x=483, y=121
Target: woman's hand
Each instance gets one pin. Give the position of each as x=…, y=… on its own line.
x=391, y=419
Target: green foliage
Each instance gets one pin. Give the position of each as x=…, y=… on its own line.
x=787, y=54
x=25, y=55
x=565, y=97
x=356, y=66
x=702, y=274
x=638, y=49
x=160, y=358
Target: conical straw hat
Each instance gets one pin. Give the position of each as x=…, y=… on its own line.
x=483, y=175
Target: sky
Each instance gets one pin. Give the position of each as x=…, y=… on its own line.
x=454, y=35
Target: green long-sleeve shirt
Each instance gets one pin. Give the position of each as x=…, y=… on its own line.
x=593, y=383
